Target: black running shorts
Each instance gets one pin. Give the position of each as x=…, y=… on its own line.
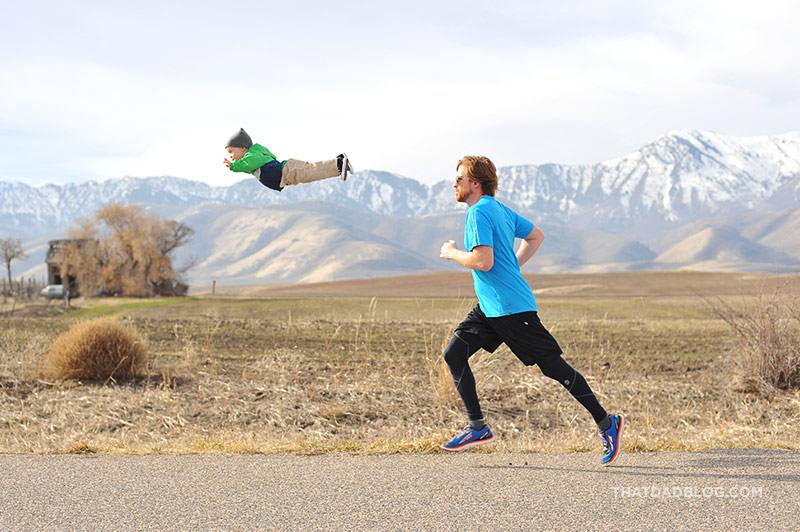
x=523, y=333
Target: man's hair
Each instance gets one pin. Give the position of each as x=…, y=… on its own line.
x=481, y=169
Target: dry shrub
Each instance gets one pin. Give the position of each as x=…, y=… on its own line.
x=100, y=349
x=768, y=333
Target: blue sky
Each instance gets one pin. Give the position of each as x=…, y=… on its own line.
x=96, y=90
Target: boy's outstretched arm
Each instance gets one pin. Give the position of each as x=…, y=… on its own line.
x=249, y=162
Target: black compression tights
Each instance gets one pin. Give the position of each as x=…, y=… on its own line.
x=457, y=357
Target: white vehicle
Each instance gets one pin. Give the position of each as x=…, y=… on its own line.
x=53, y=291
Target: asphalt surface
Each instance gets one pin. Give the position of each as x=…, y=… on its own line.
x=724, y=489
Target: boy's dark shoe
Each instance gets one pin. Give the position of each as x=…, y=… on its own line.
x=343, y=165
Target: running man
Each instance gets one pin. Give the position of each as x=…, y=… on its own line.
x=506, y=310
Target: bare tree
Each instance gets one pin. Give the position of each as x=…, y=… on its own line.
x=125, y=250
x=11, y=249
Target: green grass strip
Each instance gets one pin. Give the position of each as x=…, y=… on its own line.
x=125, y=307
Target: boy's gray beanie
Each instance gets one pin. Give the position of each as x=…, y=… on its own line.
x=240, y=140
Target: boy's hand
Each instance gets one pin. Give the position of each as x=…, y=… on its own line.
x=227, y=162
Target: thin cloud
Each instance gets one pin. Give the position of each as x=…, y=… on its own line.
x=151, y=90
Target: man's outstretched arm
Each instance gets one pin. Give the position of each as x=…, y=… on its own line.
x=480, y=258
x=530, y=245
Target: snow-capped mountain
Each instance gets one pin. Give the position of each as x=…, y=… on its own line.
x=678, y=180
x=681, y=176
x=30, y=208
x=677, y=177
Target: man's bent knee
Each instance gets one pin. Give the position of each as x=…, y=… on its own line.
x=554, y=367
x=457, y=352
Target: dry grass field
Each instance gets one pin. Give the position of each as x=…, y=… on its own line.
x=356, y=366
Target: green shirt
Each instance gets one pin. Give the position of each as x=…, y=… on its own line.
x=256, y=157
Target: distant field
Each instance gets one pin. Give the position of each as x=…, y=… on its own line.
x=625, y=284
x=356, y=366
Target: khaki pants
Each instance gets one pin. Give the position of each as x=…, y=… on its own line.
x=296, y=171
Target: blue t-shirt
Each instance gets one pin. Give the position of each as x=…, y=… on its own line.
x=502, y=290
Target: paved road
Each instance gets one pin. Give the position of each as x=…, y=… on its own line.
x=742, y=489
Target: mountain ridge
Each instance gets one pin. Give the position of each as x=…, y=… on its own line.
x=622, y=213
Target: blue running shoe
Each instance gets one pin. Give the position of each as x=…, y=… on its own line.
x=612, y=440
x=469, y=437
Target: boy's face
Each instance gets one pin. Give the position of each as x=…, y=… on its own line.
x=236, y=153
